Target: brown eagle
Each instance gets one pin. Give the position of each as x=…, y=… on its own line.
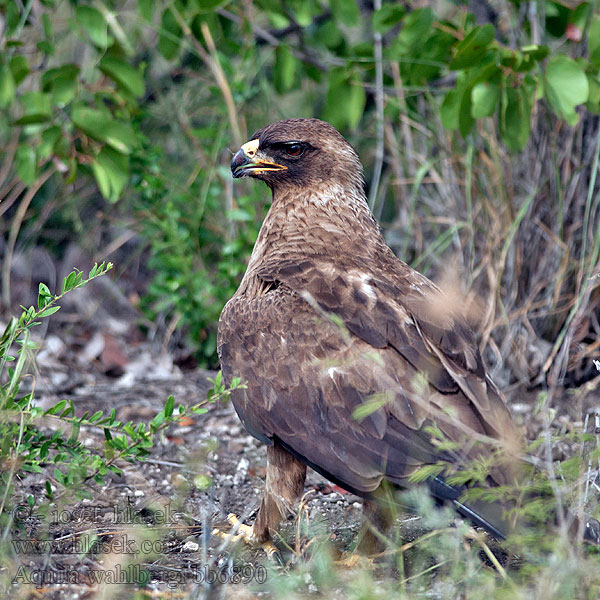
x=355, y=363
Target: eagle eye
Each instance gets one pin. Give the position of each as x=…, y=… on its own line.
x=294, y=149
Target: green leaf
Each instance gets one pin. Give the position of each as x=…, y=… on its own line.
x=100, y=126
x=146, y=8
x=169, y=406
x=387, y=16
x=19, y=68
x=37, y=108
x=26, y=163
x=97, y=415
x=49, y=311
x=56, y=408
x=593, y=41
x=450, y=108
x=349, y=112
x=50, y=136
x=345, y=11
x=158, y=420
x=91, y=121
x=465, y=118
x=47, y=26
x=70, y=280
x=284, y=70
x=8, y=87
x=328, y=34
x=102, y=179
x=209, y=5
x=470, y=51
x=45, y=47
x=372, y=404
x=67, y=71
x=123, y=74
x=44, y=295
x=69, y=411
x=535, y=52
x=12, y=17
x=415, y=27
x=94, y=24
x=111, y=170
x=121, y=137
x=566, y=87
x=484, y=99
x=355, y=103
x=45, y=449
x=169, y=35
x=593, y=103
x=61, y=82
x=515, y=118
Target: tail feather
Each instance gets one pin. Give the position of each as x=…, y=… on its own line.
x=488, y=515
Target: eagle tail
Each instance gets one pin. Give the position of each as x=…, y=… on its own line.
x=480, y=514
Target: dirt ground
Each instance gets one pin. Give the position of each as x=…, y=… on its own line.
x=153, y=524
x=151, y=528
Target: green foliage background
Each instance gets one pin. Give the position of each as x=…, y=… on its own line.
x=477, y=127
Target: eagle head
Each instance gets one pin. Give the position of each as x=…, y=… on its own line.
x=299, y=153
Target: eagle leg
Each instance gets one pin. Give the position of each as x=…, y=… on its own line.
x=284, y=485
x=378, y=517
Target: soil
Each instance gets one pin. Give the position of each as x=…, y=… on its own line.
x=152, y=524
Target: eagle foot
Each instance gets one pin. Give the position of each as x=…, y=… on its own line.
x=246, y=533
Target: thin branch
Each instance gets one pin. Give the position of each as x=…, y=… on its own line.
x=10, y=155
x=272, y=39
x=211, y=60
x=379, y=103
x=14, y=231
x=9, y=195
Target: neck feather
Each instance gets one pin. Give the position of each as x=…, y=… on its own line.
x=308, y=222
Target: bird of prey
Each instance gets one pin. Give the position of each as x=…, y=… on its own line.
x=355, y=364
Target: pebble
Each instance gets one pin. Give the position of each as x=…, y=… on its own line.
x=190, y=547
x=241, y=471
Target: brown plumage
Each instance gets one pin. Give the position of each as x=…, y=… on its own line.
x=327, y=319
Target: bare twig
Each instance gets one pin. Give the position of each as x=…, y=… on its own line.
x=219, y=75
x=211, y=60
x=14, y=231
x=9, y=156
x=379, y=103
x=272, y=39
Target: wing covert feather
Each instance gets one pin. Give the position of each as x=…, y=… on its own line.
x=306, y=376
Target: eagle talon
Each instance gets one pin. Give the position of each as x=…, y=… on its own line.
x=246, y=534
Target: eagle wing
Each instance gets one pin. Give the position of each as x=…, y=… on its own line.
x=316, y=340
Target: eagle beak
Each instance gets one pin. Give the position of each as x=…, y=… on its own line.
x=247, y=161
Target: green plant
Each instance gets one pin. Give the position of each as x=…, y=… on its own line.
x=197, y=251
x=117, y=113
x=35, y=440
